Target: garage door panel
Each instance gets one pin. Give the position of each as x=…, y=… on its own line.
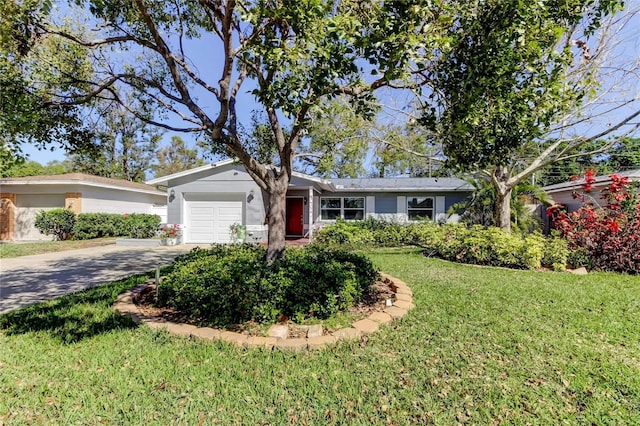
x=202, y=211
x=202, y=224
x=209, y=221
x=27, y=207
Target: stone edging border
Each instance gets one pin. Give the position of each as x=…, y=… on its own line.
x=401, y=305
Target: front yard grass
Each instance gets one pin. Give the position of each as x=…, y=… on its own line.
x=482, y=346
x=25, y=249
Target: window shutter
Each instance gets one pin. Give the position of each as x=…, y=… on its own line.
x=440, y=213
x=370, y=206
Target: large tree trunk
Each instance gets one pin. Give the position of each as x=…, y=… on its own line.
x=277, y=218
x=502, y=212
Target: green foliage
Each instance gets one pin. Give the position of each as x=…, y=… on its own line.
x=30, y=65
x=100, y=225
x=456, y=242
x=227, y=285
x=140, y=225
x=176, y=157
x=20, y=168
x=556, y=253
x=522, y=347
x=502, y=80
x=578, y=257
x=344, y=233
x=338, y=139
x=97, y=225
x=56, y=222
x=507, y=84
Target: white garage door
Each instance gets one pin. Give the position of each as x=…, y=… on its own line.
x=209, y=221
x=27, y=207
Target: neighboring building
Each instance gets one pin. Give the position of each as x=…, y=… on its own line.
x=562, y=193
x=22, y=198
x=207, y=200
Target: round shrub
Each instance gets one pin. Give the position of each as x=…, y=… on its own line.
x=233, y=284
x=56, y=222
x=224, y=286
x=346, y=234
x=140, y=225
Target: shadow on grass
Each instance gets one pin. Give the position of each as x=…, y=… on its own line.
x=76, y=316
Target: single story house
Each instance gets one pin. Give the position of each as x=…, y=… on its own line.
x=562, y=193
x=206, y=201
x=22, y=198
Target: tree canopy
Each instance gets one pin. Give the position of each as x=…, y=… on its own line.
x=517, y=86
x=31, y=66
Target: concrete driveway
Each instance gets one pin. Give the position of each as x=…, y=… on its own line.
x=30, y=279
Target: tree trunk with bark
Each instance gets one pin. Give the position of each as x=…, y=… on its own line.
x=503, y=189
x=502, y=214
x=277, y=217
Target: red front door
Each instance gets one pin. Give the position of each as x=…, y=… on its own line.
x=295, y=213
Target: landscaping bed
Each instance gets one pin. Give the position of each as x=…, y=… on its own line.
x=376, y=300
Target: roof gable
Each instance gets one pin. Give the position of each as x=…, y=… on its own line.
x=164, y=180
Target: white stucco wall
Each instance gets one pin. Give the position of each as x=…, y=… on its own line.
x=105, y=200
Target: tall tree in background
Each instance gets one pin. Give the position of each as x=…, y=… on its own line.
x=127, y=146
x=342, y=143
x=521, y=85
x=337, y=142
x=408, y=150
x=290, y=55
x=176, y=157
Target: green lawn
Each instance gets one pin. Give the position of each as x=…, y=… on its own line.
x=482, y=346
x=25, y=249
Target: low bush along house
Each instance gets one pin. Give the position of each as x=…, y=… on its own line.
x=22, y=198
x=206, y=201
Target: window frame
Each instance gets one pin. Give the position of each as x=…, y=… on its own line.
x=342, y=208
x=431, y=209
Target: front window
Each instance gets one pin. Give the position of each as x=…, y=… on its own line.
x=347, y=208
x=420, y=208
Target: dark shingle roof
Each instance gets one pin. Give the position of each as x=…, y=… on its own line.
x=402, y=184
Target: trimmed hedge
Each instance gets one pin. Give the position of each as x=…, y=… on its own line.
x=455, y=242
x=100, y=225
x=227, y=285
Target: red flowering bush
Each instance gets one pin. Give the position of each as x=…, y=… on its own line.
x=608, y=234
x=170, y=231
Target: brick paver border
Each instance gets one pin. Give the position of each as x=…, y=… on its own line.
x=401, y=305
